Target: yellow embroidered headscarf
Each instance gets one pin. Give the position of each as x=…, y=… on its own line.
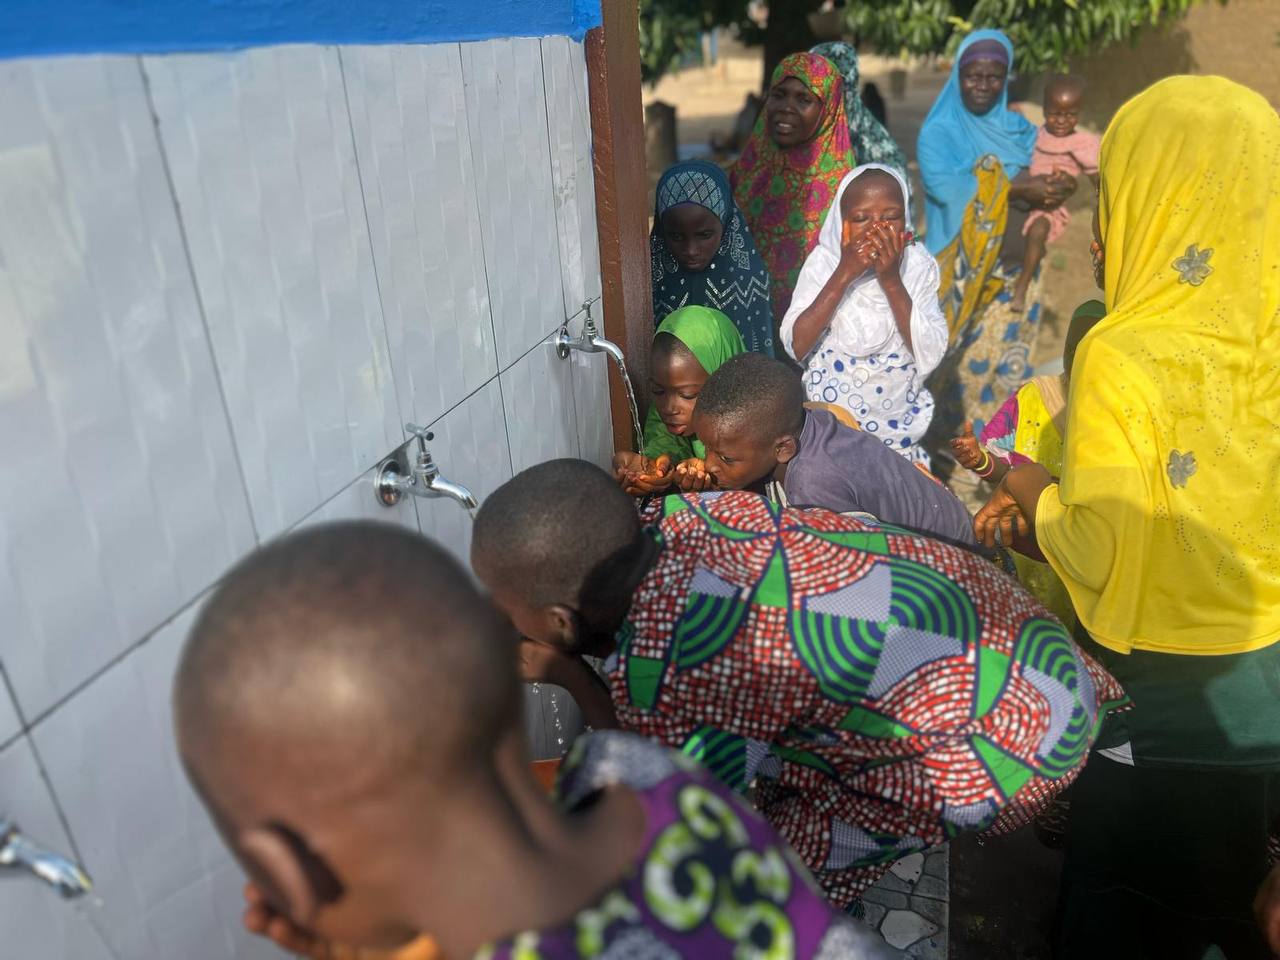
x=1166, y=525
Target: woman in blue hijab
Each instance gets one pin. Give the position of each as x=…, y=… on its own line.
x=974, y=153
x=970, y=120
x=702, y=253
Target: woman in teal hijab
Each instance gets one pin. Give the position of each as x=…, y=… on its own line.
x=689, y=346
x=872, y=143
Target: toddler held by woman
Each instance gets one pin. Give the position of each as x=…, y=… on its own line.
x=1061, y=152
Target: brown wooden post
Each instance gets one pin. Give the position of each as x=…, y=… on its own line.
x=622, y=214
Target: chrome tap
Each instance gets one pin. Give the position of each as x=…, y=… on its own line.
x=589, y=342
x=423, y=480
x=17, y=852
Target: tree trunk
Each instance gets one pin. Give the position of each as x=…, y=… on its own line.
x=787, y=31
x=660, y=141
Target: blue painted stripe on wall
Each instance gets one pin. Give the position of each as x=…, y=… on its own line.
x=36, y=27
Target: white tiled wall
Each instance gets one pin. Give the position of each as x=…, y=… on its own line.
x=409, y=117
x=509, y=141
x=35, y=923
x=120, y=495
x=264, y=172
x=226, y=281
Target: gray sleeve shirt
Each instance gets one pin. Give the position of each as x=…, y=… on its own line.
x=849, y=471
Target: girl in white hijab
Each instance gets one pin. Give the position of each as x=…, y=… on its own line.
x=865, y=319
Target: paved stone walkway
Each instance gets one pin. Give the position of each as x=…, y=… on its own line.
x=910, y=905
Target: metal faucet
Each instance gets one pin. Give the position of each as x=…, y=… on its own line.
x=423, y=480
x=17, y=852
x=589, y=342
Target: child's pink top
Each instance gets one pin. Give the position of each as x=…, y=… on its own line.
x=1074, y=154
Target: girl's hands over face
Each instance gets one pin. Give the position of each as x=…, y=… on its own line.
x=885, y=245
x=854, y=254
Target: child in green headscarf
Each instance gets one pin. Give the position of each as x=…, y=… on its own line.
x=689, y=346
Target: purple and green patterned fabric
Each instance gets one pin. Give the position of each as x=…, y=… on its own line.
x=712, y=877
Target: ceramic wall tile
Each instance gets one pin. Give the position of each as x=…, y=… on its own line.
x=409, y=116
x=537, y=393
x=10, y=723
x=120, y=497
x=358, y=501
x=507, y=120
x=260, y=147
x=564, y=70
x=159, y=869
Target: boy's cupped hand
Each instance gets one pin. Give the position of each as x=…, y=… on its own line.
x=261, y=919
x=691, y=476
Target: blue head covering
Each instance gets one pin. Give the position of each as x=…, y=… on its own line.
x=735, y=282
x=952, y=141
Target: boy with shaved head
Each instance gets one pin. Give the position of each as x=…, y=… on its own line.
x=760, y=437
x=347, y=708
x=882, y=691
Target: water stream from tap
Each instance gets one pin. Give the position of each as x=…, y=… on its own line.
x=637, y=430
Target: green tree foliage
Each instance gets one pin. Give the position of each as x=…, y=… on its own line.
x=669, y=29
x=1045, y=33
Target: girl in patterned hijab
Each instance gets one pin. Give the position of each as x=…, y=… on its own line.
x=703, y=254
x=871, y=142
x=787, y=176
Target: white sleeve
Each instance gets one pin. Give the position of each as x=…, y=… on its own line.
x=817, y=269
x=928, y=323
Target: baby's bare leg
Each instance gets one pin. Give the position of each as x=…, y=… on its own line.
x=1037, y=241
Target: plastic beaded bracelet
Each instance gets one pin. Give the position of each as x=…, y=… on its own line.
x=987, y=467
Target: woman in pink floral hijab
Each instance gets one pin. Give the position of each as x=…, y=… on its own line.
x=786, y=178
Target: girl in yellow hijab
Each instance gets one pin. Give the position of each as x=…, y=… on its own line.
x=1165, y=526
